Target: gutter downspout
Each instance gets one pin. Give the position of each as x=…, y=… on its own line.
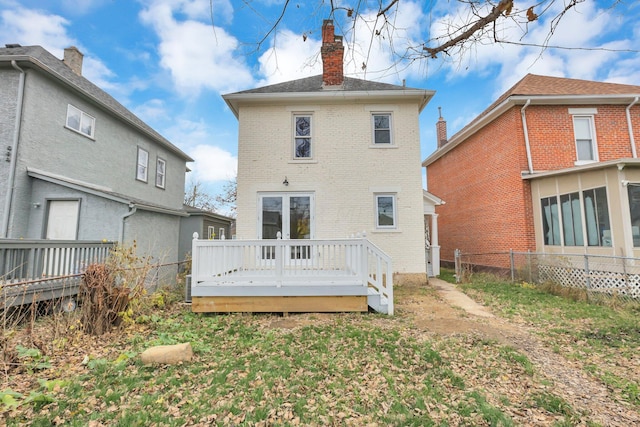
x=14, y=151
x=133, y=210
x=526, y=135
x=630, y=127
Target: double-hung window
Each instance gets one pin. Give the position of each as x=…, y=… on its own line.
x=381, y=128
x=161, y=172
x=302, y=143
x=80, y=121
x=584, y=133
x=386, y=211
x=142, y=168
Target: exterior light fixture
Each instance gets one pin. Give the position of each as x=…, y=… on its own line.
x=286, y=181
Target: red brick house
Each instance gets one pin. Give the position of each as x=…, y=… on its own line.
x=551, y=166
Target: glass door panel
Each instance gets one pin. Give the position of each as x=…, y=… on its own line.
x=300, y=225
x=271, y=223
x=291, y=215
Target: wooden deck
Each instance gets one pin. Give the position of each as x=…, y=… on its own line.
x=290, y=276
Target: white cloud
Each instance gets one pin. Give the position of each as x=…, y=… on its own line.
x=291, y=58
x=154, y=110
x=213, y=164
x=197, y=55
x=33, y=27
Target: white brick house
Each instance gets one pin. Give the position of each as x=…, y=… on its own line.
x=329, y=156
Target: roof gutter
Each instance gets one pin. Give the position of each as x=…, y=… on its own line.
x=630, y=127
x=526, y=135
x=14, y=151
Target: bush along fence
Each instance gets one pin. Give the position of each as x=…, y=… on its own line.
x=595, y=274
x=51, y=271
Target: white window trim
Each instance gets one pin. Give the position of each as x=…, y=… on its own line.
x=391, y=143
x=311, y=137
x=164, y=174
x=146, y=166
x=83, y=115
x=211, y=232
x=592, y=126
x=379, y=227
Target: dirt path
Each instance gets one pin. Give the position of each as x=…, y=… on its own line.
x=452, y=312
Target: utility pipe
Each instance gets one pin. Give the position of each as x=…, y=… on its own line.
x=14, y=151
x=133, y=210
x=630, y=127
x=526, y=135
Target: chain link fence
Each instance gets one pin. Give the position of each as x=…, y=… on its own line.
x=610, y=276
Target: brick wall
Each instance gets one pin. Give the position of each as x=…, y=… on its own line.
x=552, y=138
x=488, y=206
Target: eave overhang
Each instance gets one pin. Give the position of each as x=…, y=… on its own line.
x=618, y=163
x=421, y=96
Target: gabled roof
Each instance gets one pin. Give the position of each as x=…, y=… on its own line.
x=314, y=84
x=39, y=58
x=543, y=90
x=312, y=88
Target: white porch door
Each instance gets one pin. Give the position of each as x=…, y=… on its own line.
x=62, y=219
x=62, y=224
x=290, y=214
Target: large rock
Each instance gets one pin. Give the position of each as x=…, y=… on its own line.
x=167, y=354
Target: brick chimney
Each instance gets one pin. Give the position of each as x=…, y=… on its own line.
x=441, y=129
x=73, y=59
x=332, y=56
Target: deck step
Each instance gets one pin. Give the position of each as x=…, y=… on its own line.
x=377, y=302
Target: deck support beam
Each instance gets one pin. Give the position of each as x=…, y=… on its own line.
x=279, y=304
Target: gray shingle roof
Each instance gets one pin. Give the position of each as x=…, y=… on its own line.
x=314, y=84
x=38, y=56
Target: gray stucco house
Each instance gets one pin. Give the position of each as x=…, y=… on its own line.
x=76, y=164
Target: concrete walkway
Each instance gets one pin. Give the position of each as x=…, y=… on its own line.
x=457, y=298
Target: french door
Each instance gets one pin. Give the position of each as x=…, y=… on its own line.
x=291, y=215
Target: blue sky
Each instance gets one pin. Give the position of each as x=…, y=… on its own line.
x=169, y=61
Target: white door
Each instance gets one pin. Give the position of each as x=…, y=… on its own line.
x=290, y=214
x=62, y=224
x=62, y=219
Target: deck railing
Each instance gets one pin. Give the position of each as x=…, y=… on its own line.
x=26, y=260
x=282, y=262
